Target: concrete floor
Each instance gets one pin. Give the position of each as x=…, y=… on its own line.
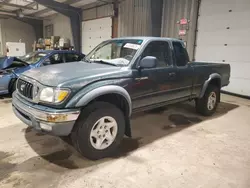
x=175, y=148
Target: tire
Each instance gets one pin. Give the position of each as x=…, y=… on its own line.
x=12, y=86
x=202, y=104
x=86, y=124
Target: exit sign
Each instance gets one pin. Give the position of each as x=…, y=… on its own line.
x=184, y=21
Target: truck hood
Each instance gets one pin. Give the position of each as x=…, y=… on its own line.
x=55, y=75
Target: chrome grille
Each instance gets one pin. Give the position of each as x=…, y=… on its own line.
x=25, y=88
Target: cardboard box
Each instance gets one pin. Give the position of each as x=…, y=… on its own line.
x=47, y=47
x=39, y=45
x=54, y=39
x=47, y=42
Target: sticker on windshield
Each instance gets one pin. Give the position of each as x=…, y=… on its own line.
x=139, y=41
x=132, y=46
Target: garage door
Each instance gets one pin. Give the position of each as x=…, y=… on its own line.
x=94, y=32
x=223, y=37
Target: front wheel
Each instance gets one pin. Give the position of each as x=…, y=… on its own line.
x=12, y=86
x=207, y=105
x=99, y=130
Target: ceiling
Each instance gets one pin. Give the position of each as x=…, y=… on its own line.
x=31, y=9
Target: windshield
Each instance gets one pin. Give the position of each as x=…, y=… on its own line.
x=115, y=52
x=33, y=57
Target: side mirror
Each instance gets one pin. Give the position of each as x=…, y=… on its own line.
x=148, y=62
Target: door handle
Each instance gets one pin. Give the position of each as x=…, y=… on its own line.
x=171, y=74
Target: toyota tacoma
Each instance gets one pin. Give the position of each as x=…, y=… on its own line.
x=92, y=101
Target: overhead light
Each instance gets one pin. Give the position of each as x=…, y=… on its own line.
x=20, y=13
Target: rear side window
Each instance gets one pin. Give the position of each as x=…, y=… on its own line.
x=181, y=56
x=72, y=57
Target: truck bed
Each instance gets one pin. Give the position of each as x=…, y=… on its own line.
x=202, y=71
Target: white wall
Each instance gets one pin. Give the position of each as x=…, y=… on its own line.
x=61, y=26
x=223, y=37
x=13, y=30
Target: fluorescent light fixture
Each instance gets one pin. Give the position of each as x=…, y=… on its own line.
x=20, y=13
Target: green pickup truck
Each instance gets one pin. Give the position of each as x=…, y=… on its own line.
x=92, y=100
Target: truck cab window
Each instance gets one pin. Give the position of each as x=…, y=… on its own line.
x=160, y=50
x=181, y=56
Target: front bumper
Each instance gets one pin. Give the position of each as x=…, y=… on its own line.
x=52, y=121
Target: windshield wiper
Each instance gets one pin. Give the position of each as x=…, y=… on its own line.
x=104, y=62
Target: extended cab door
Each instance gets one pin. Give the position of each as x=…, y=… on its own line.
x=184, y=71
x=153, y=86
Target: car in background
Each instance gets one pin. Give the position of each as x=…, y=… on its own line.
x=12, y=67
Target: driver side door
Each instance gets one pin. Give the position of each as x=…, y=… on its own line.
x=154, y=85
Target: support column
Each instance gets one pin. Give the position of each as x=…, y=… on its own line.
x=156, y=17
x=73, y=13
x=115, y=19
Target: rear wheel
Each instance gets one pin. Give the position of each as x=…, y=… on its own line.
x=207, y=105
x=99, y=130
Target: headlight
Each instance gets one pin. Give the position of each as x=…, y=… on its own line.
x=53, y=95
x=47, y=94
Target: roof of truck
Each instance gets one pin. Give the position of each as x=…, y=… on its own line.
x=147, y=38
